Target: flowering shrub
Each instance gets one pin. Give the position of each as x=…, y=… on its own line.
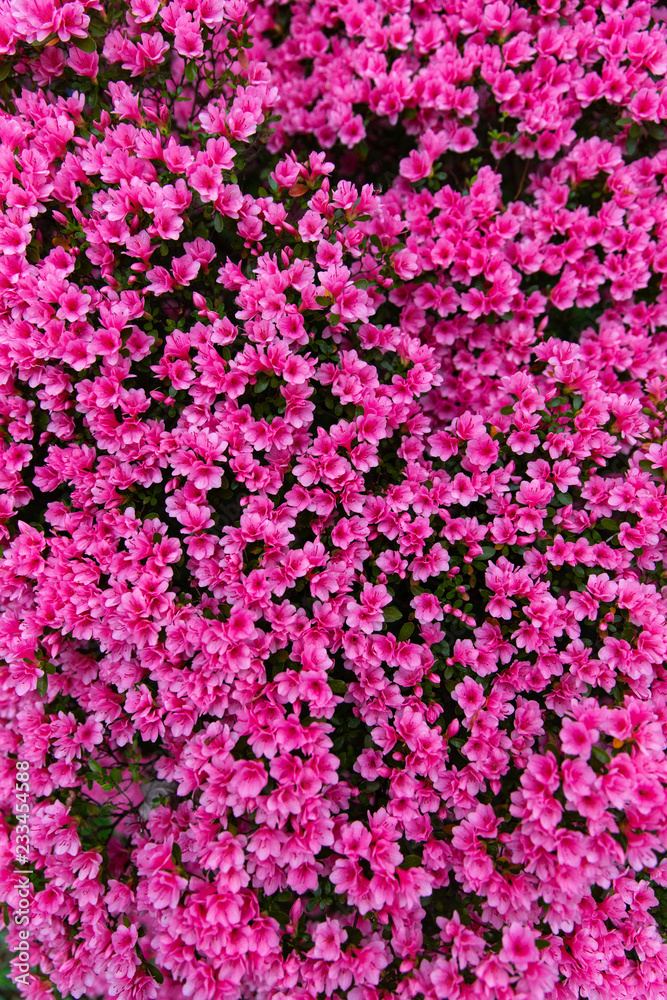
x=333, y=399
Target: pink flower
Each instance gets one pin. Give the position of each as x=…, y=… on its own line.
x=83, y=63
x=645, y=103
x=223, y=519
x=406, y=264
x=73, y=304
x=152, y=858
x=161, y=891
x=446, y=979
x=577, y=739
x=519, y=946
x=287, y=171
x=469, y=694
x=327, y=940
x=144, y=10
x=71, y=21
x=250, y=779
x=482, y=452
x=427, y=608
x=124, y=938
x=188, y=41
x=416, y=166
x=311, y=226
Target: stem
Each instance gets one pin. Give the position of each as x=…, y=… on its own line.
x=523, y=180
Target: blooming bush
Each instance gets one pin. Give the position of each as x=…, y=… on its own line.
x=332, y=605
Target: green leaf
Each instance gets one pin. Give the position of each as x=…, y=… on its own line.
x=608, y=523
x=542, y=943
x=564, y=498
x=42, y=685
x=191, y=72
x=601, y=755
x=631, y=145
x=261, y=385
x=337, y=686
x=411, y=861
x=506, y=410
x=154, y=972
x=217, y=222
x=5, y=69
x=85, y=44
x=406, y=631
x=354, y=935
x=392, y=614
x=280, y=915
x=176, y=853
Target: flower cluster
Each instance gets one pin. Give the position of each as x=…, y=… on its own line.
x=333, y=615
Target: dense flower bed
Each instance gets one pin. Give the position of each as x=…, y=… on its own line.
x=332, y=617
